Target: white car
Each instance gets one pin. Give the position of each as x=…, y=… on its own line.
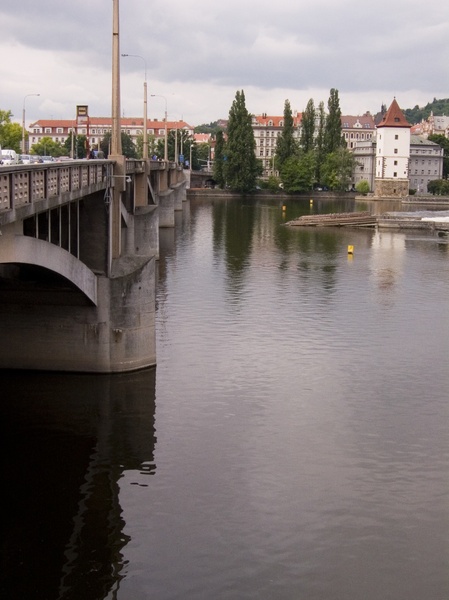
x=8, y=157
x=25, y=159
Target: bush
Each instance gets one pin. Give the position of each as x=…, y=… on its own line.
x=362, y=187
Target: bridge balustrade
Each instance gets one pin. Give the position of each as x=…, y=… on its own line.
x=21, y=185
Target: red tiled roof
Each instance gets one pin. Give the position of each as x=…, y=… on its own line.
x=275, y=120
x=349, y=121
x=107, y=122
x=394, y=117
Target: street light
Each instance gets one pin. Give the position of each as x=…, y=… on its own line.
x=166, y=132
x=23, y=121
x=145, y=112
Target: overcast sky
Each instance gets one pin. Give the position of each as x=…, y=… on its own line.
x=199, y=53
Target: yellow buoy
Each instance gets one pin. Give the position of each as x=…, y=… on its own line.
x=284, y=207
x=311, y=201
x=350, y=249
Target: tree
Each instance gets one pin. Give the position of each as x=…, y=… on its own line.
x=298, y=172
x=79, y=146
x=286, y=145
x=128, y=148
x=48, y=147
x=319, y=142
x=241, y=167
x=219, y=159
x=338, y=168
x=307, y=139
x=10, y=133
x=439, y=187
x=332, y=131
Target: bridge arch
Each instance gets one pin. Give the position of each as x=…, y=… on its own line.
x=27, y=250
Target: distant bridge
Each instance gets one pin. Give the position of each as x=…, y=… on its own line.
x=78, y=245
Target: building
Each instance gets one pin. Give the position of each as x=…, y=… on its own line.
x=392, y=154
x=433, y=125
x=357, y=129
x=425, y=164
x=60, y=130
x=266, y=131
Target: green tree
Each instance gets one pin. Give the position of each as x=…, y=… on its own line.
x=307, y=139
x=178, y=141
x=332, y=131
x=219, y=158
x=338, y=168
x=241, y=167
x=438, y=187
x=10, y=133
x=298, y=172
x=444, y=143
x=79, y=146
x=128, y=147
x=286, y=145
x=319, y=142
x=48, y=147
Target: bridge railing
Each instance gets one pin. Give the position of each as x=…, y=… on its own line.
x=25, y=184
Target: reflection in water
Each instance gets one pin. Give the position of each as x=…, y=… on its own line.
x=67, y=441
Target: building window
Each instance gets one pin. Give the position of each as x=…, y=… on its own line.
x=395, y=150
x=396, y=137
x=48, y=130
x=395, y=174
x=395, y=162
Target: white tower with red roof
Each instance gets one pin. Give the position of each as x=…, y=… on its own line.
x=392, y=154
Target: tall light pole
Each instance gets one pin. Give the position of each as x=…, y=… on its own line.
x=145, y=111
x=23, y=121
x=166, y=131
x=116, y=138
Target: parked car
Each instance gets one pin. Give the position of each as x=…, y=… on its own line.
x=9, y=157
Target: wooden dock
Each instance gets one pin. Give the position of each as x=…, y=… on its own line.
x=355, y=219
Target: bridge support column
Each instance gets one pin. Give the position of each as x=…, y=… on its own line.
x=116, y=335
x=166, y=206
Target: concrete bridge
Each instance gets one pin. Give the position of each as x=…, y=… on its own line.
x=78, y=245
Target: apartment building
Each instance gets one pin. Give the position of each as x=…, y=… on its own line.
x=59, y=129
x=266, y=131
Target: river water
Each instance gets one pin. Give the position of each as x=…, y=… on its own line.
x=292, y=442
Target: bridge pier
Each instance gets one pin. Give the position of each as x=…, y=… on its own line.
x=116, y=335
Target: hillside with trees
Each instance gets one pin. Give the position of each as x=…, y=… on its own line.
x=417, y=114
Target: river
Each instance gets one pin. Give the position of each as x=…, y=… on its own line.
x=292, y=442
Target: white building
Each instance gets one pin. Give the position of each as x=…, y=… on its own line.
x=392, y=155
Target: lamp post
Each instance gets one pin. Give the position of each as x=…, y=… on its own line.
x=145, y=104
x=166, y=132
x=23, y=121
x=191, y=147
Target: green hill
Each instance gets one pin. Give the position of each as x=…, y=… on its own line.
x=417, y=114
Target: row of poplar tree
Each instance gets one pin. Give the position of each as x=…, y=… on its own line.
x=318, y=158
